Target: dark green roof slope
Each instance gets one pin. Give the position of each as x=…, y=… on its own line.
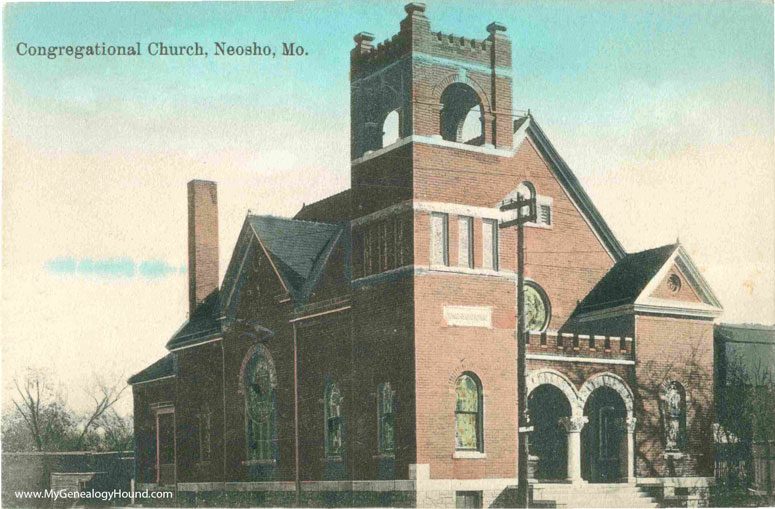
x=746, y=353
x=626, y=279
x=159, y=369
x=204, y=324
x=298, y=248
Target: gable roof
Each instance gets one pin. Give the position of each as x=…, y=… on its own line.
x=527, y=126
x=628, y=285
x=626, y=279
x=163, y=368
x=297, y=248
x=203, y=325
x=298, y=251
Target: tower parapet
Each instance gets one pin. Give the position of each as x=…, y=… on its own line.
x=439, y=84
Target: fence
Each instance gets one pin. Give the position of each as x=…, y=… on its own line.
x=31, y=471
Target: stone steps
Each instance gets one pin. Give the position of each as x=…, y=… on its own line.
x=591, y=495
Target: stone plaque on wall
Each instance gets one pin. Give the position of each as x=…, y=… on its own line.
x=468, y=316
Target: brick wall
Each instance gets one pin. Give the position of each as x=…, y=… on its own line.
x=680, y=350
x=202, y=241
x=443, y=353
x=144, y=395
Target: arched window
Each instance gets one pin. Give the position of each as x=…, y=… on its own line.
x=461, y=115
x=468, y=413
x=390, y=129
x=673, y=402
x=260, y=383
x=386, y=420
x=334, y=421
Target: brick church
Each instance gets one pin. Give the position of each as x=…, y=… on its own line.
x=363, y=352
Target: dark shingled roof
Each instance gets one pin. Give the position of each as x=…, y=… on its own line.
x=298, y=248
x=626, y=280
x=204, y=324
x=333, y=209
x=159, y=369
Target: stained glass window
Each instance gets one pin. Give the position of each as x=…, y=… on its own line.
x=536, y=309
x=468, y=414
x=260, y=403
x=387, y=440
x=334, y=426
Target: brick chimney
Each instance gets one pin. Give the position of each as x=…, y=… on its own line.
x=202, y=241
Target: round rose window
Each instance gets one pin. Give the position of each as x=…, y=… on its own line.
x=537, y=309
x=674, y=283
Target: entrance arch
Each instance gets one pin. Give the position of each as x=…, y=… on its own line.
x=608, y=439
x=603, y=445
x=548, y=442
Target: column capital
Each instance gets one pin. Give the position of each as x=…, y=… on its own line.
x=630, y=423
x=574, y=424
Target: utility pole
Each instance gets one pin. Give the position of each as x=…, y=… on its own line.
x=526, y=212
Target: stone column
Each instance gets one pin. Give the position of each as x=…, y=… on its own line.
x=631, y=449
x=573, y=426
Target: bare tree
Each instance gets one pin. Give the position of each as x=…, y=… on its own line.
x=105, y=395
x=42, y=410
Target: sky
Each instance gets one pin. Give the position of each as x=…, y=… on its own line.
x=663, y=110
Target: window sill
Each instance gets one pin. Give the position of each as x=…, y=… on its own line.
x=469, y=455
x=259, y=462
x=333, y=459
x=384, y=456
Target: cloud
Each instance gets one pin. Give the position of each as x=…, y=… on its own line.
x=112, y=267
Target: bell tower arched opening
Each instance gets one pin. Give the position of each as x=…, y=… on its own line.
x=461, y=115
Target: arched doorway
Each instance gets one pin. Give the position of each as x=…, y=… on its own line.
x=604, y=438
x=548, y=441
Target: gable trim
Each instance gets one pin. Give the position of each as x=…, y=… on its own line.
x=269, y=257
x=655, y=281
x=238, y=274
x=573, y=189
x=681, y=260
x=319, y=268
x=654, y=306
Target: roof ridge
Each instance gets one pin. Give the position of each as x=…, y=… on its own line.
x=651, y=249
x=331, y=225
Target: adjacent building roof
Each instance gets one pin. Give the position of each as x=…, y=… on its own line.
x=745, y=353
x=164, y=367
x=626, y=279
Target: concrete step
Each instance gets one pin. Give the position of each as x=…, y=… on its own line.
x=591, y=495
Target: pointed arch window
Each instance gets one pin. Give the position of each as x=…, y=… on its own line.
x=260, y=383
x=386, y=419
x=468, y=413
x=334, y=421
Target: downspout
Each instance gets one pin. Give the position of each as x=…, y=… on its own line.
x=223, y=425
x=296, y=416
